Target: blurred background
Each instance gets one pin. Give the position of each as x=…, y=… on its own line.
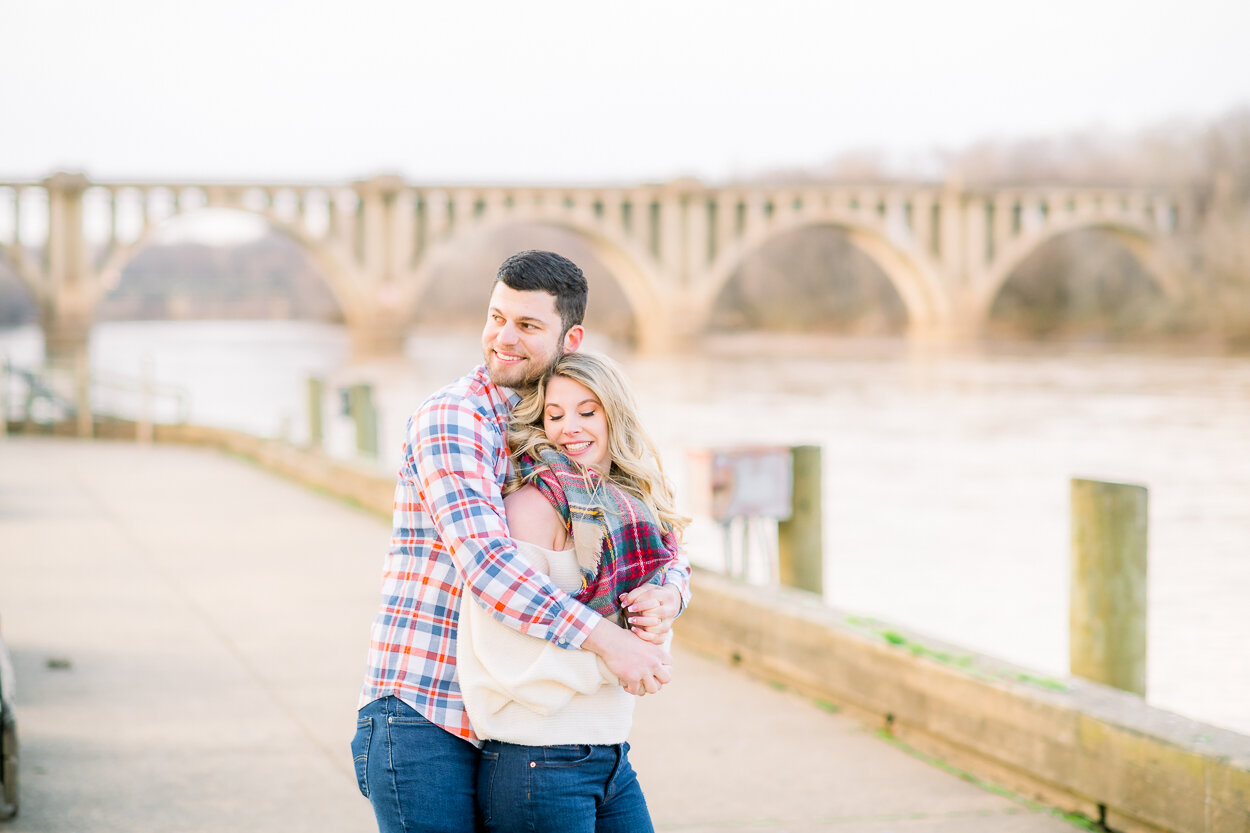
x=946, y=460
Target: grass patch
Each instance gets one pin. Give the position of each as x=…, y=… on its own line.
x=1079, y=821
x=965, y=662
x=1044, y=682
x=825, y=705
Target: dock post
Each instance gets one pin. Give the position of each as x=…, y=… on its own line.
x=4, y=395
x=800, y=539
x=82, y=392
x=144, y=428
x=316, y=418
x=366, y=420
x=1107, y=612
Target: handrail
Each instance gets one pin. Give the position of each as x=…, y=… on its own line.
x=147, y=388
x=37, y=389
x=56, y=387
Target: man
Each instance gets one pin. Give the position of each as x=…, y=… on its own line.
x=415, y=753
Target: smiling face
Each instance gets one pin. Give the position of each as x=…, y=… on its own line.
x=575, y=422
x=522, y=337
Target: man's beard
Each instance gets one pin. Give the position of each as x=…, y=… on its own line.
x=520, y=377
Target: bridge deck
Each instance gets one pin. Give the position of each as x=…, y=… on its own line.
x=189, y=632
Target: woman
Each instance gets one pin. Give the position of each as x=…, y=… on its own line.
x=589, y=506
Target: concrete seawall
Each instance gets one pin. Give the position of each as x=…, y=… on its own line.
x=1073, y=744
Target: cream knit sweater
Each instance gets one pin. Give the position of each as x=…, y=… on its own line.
x=522, y=689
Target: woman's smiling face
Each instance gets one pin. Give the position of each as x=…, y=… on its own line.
x=575, y=423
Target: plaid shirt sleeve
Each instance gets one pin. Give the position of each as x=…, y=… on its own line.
x=453, y=465
x=677, y=573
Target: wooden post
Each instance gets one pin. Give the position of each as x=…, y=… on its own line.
x=366, y=420
x=316, y=419
x=144, y=430
x=1107, y=613
x=28, y=418
x=4, y=396
x=82, y=391
x=800, y=539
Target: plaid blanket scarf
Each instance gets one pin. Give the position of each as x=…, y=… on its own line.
x=618, y=542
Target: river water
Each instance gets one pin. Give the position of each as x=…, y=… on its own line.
x=946, y=476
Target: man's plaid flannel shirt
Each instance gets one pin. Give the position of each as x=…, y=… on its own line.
x=450, y=536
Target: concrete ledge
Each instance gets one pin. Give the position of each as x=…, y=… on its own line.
x=1073, y=744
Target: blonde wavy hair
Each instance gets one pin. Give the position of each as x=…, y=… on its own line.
x=635, y=465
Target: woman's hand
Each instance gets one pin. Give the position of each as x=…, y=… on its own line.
x=651, y=609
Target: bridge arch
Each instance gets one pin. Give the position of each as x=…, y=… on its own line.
x=628, y=266
x=329, y=264
x=913, y=277
x=15, y=259
x=12, y=252
x=1138, y=239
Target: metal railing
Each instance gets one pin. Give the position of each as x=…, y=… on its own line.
x=55, y=394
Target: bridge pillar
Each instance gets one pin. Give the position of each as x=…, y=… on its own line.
x=378, y=314
x=377, y=335
x=658, y=341
x=67, y=307
x=66, y=334
x=671, y=328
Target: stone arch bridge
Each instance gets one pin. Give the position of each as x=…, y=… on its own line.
x=672, y=247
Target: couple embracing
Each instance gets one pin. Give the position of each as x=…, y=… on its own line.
x=530, y=587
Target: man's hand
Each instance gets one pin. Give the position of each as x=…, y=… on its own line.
x=651, y=610
x=641, y=667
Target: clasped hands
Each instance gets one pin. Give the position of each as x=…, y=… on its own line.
x=650, y=611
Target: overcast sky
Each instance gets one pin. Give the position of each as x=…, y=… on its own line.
x=585, y=90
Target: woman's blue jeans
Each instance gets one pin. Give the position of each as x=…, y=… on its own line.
x=569, y=788
x=419, y=777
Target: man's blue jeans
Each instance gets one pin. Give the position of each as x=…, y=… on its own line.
x=569, y=788
x=419, y=777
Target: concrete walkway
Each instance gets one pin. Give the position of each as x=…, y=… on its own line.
x=189, y=632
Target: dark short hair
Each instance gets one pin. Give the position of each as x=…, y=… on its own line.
x=554, y=274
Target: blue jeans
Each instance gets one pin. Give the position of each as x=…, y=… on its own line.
x=419, y=777
x=569, y=788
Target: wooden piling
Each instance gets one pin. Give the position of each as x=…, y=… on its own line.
x=82, y=393
x=366, y=419
x=144, y=428
x=4, y=395
x=800, y=538
x=1107, y=613
x=316, y=417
